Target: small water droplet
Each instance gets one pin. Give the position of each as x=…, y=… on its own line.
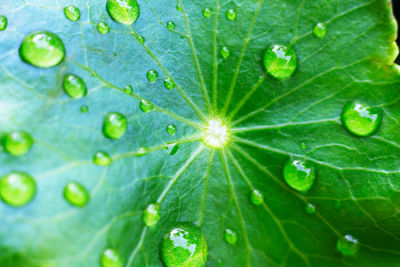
x=303, y=146
x=115, y=125
x=171, y=129
x=18, y=143
x=146, y=106
x=102, y=158
x=171, y=25
x=76, y=194
x=320, y=30
x=310, y=208
x=231, y=14
x=141, y=39
x=257, y=198
x=142, y=151
x=72, y=13
x=172, y=148
x=74, y=86
x=207, y=12
x=110, y=258
x=299, y=174
x=169, y=84
x=128, y=89
x=179, y=7
x=280, y=61
x=123, y=11
x=103, y=27
x=348, y=245
x=225, y=52
x=184, y=245
x=361, y=119
x=17, y=189
x=230, y=236
x=42, y=49
x=152, y=76
x=84, y=109
x=151, y=215
x=3, y=23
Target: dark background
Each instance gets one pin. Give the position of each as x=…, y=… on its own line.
x=396, y=6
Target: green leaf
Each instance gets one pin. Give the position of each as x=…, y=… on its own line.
x=268, y=122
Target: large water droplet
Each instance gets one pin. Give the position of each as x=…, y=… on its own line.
x=115, y=125
x=3, y=23
x=72, y=13
x=361, y=119
x=152, y=76
x=103, y=27
x=102, y=158
x=76, y=194
x=17, y=189
x=207, y=12
x=146, y=106
x=310, y=208
x=123, y=11
x=230, y=236
x=299, y=174
x=320, y=30
x=169, y=84
x=231, y=14
x=110, y=258
x=348, y=245
x=257, y=198
x=171, y=25
x=42, y=49
x=225, y=52
x=74, y=86
x=280, y=61
x=184, y=245
x=151, y=215
x=18, y=143
x=171, y=129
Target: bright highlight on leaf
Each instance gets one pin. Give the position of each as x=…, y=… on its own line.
x=216, y=134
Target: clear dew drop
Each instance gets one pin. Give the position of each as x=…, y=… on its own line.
x=151, y=215
x=257, y=198
x=18, y=143
x=103, y=27
x=171, y=129
x=169, y=84
x=3, y=23
x=72, y=13
x=123, y=11
x=280, y=61
x=146, y=106
x=231, y=14
x=74, y=86
x=230, y=236
x=128, y=89
x=152, y=76
x=225, y=52
x=320, y=30
x=42, y=49
x=84, y=109
x=17, y=189
x=171, y=25
x=348, y=245
x=115, y=125
x=102, y=158
x=172, y=148
x=299, y=174
x=76, y=194
x=361, y=119
x=184, y=245
x=310, y=208
x=110, y=258
x=207, y=12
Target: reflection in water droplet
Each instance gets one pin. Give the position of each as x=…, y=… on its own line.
x=18, y=143
x=361, y=119
x=72, y=13
x=151, y=215
x=128, y=89
x=17, y=189
x=207, y=12
x=103, y=27
x=169, y=84
x=146, y=106
x=76, y=194
x=110, y=258
x=152, y=76
x=280, y=61
x=84, y=109
x=348, y=245
x=299, y=174
x=74, y=86
x=170, y=25
x=257, y=198
x=320, y=30
x=310, y=208
x=172, y=148
x=115, y=125
x=231, y=14
x=42, y=49
x=171, y=129
x=102, y=158
x=225, y=52
x=184, y=245
x=3, y=23
x=230, y=236
x=123, y=11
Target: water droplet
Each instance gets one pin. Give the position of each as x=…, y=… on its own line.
x=225, y=52
x=42, y=49
x=230, y=236
x=361, y=119
x=84, y=109
x=142, y=151
x=151, y=215
x=72, y=13
x=280, y=61
x=320, y=30
x=110, y=258
x=207, y=12
x=17, y=189
x=172, y=148
x=179, y=7
x=170, y=25
x=171, y=129
x=3, y=23
x=152, y=76
x=18, y=143
x=299, y=174
x=184, y=245
x=231, y=14
x=123, y=11
x=146, y=106
x=103, y=27
x=74, y=86
x=257, y=198
x=348, y=245
x=169, y=84
x=76, y=194
x=115, y=125
x=128, y=89
x=141, y=39
x=310, y=208
x=303, y=146
x=102, y=158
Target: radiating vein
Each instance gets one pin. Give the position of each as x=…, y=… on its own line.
x=205, y=190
